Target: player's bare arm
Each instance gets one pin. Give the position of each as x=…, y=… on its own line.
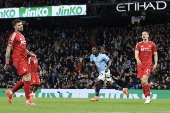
x=137, y=57
x=30, y=54
x=108, y=66
x=155, y=60
x=7, y=57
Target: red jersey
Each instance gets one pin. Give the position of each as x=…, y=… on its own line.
x=146, y=51
x=18, y=43
x=33, y=64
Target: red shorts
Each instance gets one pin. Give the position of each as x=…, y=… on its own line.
x=21, y=67
x=144, y=70
x=35, y=79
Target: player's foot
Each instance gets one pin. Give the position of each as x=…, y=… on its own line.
x=94, y=99
x=148, y=100
x=30, y=103
x=125, y=91
x=8, y=95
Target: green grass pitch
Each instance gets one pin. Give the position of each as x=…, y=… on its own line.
x=83, y=105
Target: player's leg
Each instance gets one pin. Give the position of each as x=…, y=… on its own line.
x=109, y=84
x=27, y=83
x=19, y=84
x=32, y=85
x=26, y=78
x=35, y=87
x=32, y=90
x=140, y=75
x=143, y=89
x=99, y=84
x=36, y=83
x=9, y=93
x=108, y=79
x=145, y=84
x=146, y=88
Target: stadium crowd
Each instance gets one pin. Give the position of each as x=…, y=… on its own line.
x=64, y=50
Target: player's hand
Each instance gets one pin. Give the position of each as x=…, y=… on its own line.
x=154, y=68
x=6, y=67
x=138, y=62
x=33, y=55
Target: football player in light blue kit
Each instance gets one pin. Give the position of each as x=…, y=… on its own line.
x=103, y=62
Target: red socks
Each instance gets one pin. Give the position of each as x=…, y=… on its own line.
x=26, y=85
x=146, y=90
x=19, y=85
x=27, y=89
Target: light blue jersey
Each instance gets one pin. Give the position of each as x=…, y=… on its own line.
x=100, y=61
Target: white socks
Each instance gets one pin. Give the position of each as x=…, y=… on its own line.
x=148, y=97
x=27, y=101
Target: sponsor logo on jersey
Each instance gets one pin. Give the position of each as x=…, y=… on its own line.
x=10, y=42
x=22, y=42
x=145, y=49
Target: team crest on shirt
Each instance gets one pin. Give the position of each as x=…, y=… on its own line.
x=10, y=42
x=97, y=58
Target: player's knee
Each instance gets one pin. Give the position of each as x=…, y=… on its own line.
x=109, y=84
x=144, y=82
x=27, y=77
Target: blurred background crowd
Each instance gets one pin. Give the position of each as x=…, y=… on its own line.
x=63, y=48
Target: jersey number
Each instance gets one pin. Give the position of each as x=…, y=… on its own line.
x=147, y=70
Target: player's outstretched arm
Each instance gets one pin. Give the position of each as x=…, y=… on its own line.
x=7, y=57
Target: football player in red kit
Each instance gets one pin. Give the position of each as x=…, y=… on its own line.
x=17, y=44
x=35, y=80
x=143, y=54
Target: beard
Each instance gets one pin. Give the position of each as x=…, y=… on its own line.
x=20, y=30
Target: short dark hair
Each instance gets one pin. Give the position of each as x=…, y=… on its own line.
x=100, y=48
x=16, y=21
x=146, y=32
